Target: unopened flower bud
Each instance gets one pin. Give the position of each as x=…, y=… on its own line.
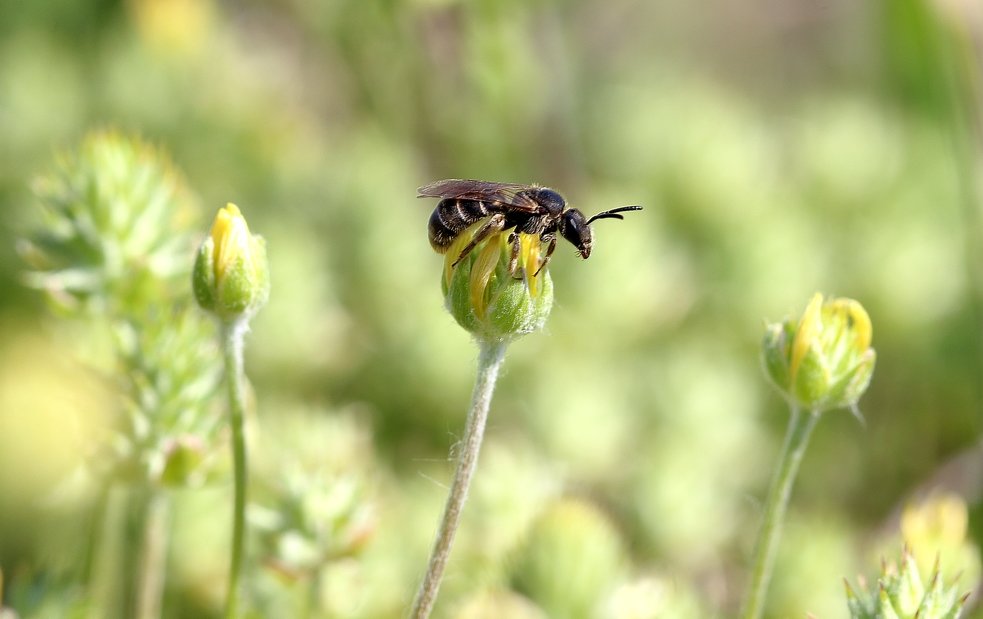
x=823, y=361
x=571, y=557
x=901, y=592
x=231, y=274
x=486, y=298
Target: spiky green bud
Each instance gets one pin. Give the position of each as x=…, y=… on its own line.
x=902, y=594
x=114, y=233
x=231, y=275
x=824, y=360
x=489, y=301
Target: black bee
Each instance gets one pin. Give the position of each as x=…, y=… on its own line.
x=523, y=208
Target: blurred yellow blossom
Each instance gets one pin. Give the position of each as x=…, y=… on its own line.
x=935, y=530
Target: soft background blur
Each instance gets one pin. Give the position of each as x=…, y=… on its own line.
x=779, y=148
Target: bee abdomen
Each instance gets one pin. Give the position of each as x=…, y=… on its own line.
x=451, y=217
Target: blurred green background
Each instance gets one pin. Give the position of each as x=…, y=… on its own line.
x=779, y=148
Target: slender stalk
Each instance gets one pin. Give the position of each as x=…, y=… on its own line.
x=796, y=439
x=153, y=558
x=106, y=582
x=232, y=335
x=489, y=362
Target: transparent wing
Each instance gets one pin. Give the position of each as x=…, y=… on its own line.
x=484, y=191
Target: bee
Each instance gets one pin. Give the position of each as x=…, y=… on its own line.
x=526, y=209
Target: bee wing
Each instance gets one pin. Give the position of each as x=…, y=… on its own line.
x=484, y=191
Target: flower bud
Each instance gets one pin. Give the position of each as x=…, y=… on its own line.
x=485, y=298
x=231, y=274
x=901, y=592
x=935, y=533
x=185, y=461
x=571, y=558
x=825, y=360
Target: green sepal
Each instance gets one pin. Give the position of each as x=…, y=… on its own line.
x=511, y=310
x=203, y=275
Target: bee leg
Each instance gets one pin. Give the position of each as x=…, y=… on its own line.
x=514, y=258
x=549, y=252
x=494, y=225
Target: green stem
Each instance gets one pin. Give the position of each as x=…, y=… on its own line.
x=153, y=557
x=799, y=428
x=108, y=581
x=232, y=335
x=489, y=362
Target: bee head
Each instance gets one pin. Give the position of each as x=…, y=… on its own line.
x=575, y=228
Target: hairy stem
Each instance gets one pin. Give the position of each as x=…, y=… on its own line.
x=796, y=438
x=489, y=362
x=153, y=557
x=232, y=335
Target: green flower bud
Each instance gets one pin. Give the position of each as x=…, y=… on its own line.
x=901, y=594
x=231, y=275
x=570, y=561
x=485, y=298
x=185, y=462
x=824, y=361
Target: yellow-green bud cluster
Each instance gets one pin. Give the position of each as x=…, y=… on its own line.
x=231, y=276
x=489, y=301
x=901, y=594
x=824, y=360
x=936, y=532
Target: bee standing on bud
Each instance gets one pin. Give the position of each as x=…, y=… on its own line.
x=497, y=239
x=526, y=209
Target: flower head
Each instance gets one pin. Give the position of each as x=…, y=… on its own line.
x=489, y=300
x=823, y=361
x=231, y=273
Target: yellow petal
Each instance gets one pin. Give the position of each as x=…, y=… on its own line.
x=529, y=258
x=230, y=236
x=457, y=246
x=809, y=327
x=481, y=271
x=862, y=329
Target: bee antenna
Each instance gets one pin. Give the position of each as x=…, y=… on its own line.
x=613, y=213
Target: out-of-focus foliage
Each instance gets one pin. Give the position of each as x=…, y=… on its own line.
x=778, y=149
x=111, y=250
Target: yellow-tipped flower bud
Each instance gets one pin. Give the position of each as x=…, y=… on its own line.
x=823, y=361
x=231, y=274
x=935, y=532
x=485, y=298
x=901, y=592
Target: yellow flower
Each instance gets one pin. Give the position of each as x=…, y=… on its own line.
x=935, y=530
